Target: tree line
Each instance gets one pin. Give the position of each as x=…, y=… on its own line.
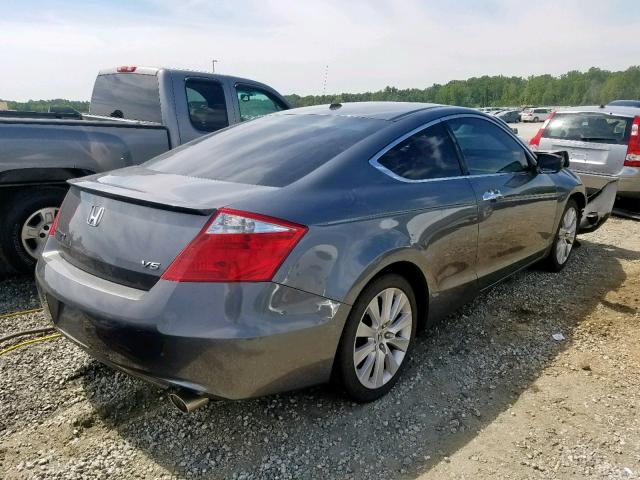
x=593, y=87
x=43, y=105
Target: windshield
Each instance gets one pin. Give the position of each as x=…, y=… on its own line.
x=589, y=127
x=127, y=95
x=275, y=150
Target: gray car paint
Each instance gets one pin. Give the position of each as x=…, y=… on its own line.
x=238, y=340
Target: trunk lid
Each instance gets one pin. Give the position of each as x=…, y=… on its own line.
x=596, y=142
x=127, y=226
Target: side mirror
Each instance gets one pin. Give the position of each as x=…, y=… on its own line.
x=552, y=161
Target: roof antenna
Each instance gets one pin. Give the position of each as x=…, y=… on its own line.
x=324, y=82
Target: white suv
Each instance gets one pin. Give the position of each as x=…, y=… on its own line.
x=535, y=114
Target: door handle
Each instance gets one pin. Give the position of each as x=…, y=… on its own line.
x=492, y=195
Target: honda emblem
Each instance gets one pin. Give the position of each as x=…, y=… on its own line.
x=95, y=215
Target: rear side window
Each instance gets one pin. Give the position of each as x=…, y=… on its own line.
x=487, y=148
x=206, y=103
x=127, y=95
x=589, y=127
x=275, y=150
x=426, y=155
x=254, y=102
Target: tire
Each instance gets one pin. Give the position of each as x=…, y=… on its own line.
x=559, y=256
x=536, y=119
x=23, y=207
x=361, y=379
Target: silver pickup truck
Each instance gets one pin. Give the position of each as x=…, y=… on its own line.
x=135, y=114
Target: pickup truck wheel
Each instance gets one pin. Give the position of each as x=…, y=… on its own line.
x=25, y=226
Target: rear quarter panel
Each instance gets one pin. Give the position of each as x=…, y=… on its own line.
x=431, y=225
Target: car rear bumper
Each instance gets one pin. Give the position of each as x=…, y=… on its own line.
x=628, y=181
x=228, y=340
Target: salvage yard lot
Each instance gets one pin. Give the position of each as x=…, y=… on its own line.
x=488, y=394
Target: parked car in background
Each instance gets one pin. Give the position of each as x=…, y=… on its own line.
x=509, y=116
x=301, y=246
x=624, y=103
x=603, y=144
x=535, y=114
x=136, y=113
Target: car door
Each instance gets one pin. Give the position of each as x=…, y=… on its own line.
x=516, y=203
x=443, y=219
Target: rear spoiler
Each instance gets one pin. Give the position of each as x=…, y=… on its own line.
x=599, y=207
x=137, y=197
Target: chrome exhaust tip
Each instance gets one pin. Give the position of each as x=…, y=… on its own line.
x=187, y=402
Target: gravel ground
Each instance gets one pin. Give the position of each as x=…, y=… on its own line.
x=488, y=394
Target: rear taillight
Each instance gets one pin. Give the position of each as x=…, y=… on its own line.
x=126, y=69
x=534, y=143
x=236, y=246
x=54, y=224
x=633, y=150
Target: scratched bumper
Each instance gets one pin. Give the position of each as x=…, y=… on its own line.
x=232, y=341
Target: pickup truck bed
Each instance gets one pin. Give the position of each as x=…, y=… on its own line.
x=92, y=145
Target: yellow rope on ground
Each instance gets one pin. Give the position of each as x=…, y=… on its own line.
x=21, y=312
x=29, y=342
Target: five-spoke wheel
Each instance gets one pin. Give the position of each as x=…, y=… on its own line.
x=36, y=229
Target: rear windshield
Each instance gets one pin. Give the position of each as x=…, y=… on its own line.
x=127, y=95
x=275, y=150
x=589, y=127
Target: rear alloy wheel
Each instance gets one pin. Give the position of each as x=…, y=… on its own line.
x=565, y=237
x=378, y=338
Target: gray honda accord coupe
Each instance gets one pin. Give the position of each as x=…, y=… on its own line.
x=304, y=246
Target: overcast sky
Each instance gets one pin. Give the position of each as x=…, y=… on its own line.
x=55, y=48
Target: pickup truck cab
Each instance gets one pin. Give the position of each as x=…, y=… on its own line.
x=135, y=114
